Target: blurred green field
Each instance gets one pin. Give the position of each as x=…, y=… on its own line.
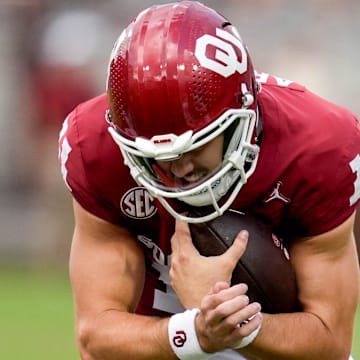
x=356, y=341
x=36, y=317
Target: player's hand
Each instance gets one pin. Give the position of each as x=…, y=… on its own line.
x=224, y=316
x=193, y=275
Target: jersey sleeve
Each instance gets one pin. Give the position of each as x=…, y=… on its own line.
x=334, y=190
x=75, y=173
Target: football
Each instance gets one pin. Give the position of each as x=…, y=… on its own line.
x=265, y=265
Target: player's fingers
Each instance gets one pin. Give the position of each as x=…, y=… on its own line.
x=249, y=313
x=220, y=285
x=182, y=228
x=245, y=328
x=223, y=292
x=252, y=321
x=231, y=306
x=249, y=325
x=238, y=247
x=227, y=301
x=182, y=238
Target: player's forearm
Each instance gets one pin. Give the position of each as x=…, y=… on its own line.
x=119, y=335
x=300, y=336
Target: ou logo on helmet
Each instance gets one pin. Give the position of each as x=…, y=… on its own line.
x=226, y=62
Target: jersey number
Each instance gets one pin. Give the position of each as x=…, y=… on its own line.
x=163, y=300
x=355, y=167
x=64, y=151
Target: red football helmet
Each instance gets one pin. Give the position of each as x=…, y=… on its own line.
x=179, y=76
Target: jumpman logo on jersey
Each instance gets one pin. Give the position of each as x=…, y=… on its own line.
x=275, y=194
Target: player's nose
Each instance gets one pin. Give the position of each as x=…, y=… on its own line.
x=183, y=166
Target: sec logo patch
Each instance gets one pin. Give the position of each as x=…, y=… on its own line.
x=137, y=203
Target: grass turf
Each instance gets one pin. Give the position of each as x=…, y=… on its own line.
x=36, y=317
x=356, y=339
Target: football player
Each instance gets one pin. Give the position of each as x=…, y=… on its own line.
x=185, y=123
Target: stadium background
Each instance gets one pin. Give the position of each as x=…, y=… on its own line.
x=53, y=54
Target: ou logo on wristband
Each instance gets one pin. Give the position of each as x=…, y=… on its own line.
x=226, y=61
x=180, y=339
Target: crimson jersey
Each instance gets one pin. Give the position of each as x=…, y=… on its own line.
x=307, y=180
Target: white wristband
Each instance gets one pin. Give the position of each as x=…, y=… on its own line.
x=183, y=338
x=248, y=339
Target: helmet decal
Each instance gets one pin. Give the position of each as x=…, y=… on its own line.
x=227, y=62
x=137, y=203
